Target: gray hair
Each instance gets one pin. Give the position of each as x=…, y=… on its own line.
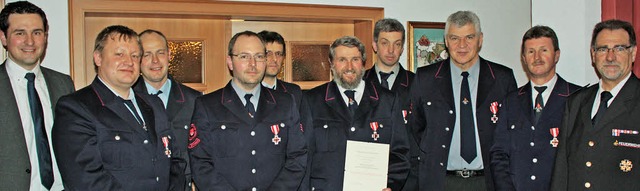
x=462, y=18
x=348, y=41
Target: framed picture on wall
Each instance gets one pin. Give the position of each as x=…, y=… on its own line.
x=309, y=63
x=426, y=44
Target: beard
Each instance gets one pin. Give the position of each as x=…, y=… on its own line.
x=341, y=81
x=608, y=74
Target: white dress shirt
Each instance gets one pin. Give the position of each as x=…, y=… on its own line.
x=19, y=85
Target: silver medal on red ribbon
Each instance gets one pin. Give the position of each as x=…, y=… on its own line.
x=275, y=129
x=554, y=132
x=374, y=126
x=494, y=109
x=165, y=142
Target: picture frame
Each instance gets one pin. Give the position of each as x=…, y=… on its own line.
x=426, y=44
x=307, y=63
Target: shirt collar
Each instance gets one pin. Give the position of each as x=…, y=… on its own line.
x=273, y=87
x=166, y=87
x=16, y=71
x=616, y=89
x=255, y=91
x=550, y=84
x=131, y=93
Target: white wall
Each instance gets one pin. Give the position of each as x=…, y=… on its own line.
x=574, y=28
x=57, y=55
x=503, y=23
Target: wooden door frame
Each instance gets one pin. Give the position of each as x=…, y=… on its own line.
x=363, y=19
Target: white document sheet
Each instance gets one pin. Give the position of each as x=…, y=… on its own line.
x=366, y=166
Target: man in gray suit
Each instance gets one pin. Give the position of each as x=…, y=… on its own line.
x=29, y=94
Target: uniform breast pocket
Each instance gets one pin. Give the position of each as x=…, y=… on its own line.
x=520, y=136
x=328, y=134
x=116, y=148
x=225, y=139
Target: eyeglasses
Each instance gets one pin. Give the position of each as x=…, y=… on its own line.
x=276, y=54
x=619, y=49
x=246, y=57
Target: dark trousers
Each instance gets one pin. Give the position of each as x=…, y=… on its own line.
x=467, y=184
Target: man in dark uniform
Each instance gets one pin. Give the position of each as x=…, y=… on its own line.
x=454, y=103
x=246, y=136
x=525, y=138
x=348, y=108
x=276, y=51
x=26, y=159
x=106, y=137
x=177, y=99
x=388, y=44
x=599, y=140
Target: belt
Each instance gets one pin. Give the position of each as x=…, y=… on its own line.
x=465, y=173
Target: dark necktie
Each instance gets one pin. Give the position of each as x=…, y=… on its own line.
x=42, y=142
x=157, y=93
x=467, y=127
x=605, y=96
x=132, y=107
x=249, y=105
x=353, y=104
x=539, y=105
x=383, y=79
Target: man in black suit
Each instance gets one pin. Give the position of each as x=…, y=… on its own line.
x=178, y=99
x=276, y=51
x=348, y=108
x=525, y=139
x=29, y=94
x=106, y=136
x=454, y=103
x=388, y=44
x=599, y=140
x=246, y=136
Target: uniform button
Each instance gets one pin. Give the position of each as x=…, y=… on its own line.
x=254, y=189
x=588, y=164
x=587, y=185
x=223, y=127
x=533, y=128
x=157, y=179
x=381, y=126
x=418, y=158
x=117, y=137
x=591, y=143
x=353, y=129
x=450, y=111
x=428, y=103
x=513, y=126
x=441, y=164
x=443, y=146
x=533, y=177
x=185, y=127
x=325, y=126
x=253, y=152
x=313, y=188
x=253, y=133
x=535, y=160
x=253, y=171
x=145, y=141
x=281, y=124
x=446, y=128
x=532, y=144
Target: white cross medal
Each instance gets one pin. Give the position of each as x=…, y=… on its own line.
x=165, y=142
x=374, y=126
x=275, y=129
x=494, y=109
